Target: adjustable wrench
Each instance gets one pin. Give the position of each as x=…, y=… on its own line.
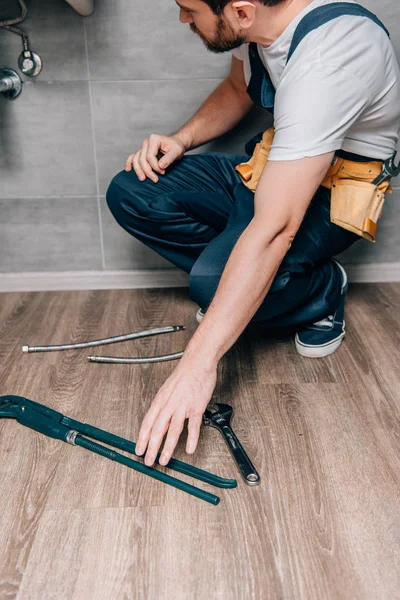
x=389, y=170
x=219, y=416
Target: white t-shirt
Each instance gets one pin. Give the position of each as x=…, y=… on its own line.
x=340, y=89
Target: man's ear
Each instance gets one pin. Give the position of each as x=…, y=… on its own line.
x=244, y=8
x=239, y=3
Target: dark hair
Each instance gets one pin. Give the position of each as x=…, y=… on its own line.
x=218, y=6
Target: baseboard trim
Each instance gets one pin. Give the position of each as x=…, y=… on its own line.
x=92, y=280
x=373, y=272
x=156, y=278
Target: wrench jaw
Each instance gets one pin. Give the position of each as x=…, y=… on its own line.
x=218, y=415
x=224, y=410
x=9, y=407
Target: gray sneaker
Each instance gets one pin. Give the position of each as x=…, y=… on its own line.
x=324, y=337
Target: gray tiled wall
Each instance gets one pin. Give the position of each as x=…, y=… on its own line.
x=109, y=81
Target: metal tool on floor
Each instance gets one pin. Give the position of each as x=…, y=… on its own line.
x=114, y=340
x=220, y=416
x=54, y=424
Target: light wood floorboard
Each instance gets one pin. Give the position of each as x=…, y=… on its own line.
x=324, y=434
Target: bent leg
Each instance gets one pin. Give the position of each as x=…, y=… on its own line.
x=188, y=207
x=307, y=286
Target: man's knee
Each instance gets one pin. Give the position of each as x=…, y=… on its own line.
x=203, y=282
x=121, y=193
x=112, y=196
x=206, y=275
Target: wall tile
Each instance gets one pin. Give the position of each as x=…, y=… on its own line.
x=235, y=140
x=122, y=251
x=127, y=113
x=49, y=234
x=150, y=74
x=145, y=40
x=47, y=142
x=56, y=33
x=386, y=248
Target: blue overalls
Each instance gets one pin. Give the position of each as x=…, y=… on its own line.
x=197, y=211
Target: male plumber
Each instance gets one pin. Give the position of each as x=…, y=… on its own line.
x=258, y=232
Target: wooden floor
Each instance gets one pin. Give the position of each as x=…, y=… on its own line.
x=324, y=434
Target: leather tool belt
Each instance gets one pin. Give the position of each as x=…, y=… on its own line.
x=356, y=202
x=250, y=171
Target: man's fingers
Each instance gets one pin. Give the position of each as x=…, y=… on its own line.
x=145, y=162
x=146, y=168
x=193, y=433
x=152, y=152
x=153, y=162
x=167, y=159
x=137, y=167
x=146, y=427
x=129, y=163
x=159, y=430
x=133, y=162
x=174, y=432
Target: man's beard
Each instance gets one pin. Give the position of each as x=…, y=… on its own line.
x=225, y=38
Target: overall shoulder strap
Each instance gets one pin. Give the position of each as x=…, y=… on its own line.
x=323, y=14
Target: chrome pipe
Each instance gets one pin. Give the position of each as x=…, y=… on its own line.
x=10, y=83
x=6, y=83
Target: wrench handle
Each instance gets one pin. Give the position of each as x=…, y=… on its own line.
x=244, y=463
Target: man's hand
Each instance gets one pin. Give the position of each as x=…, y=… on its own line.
x=184, y=395
x=145, y=160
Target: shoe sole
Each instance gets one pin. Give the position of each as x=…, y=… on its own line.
x=324, y=349
x=199, y=316
x=318, y=351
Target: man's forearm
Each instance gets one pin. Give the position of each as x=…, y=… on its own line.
x=222, y=110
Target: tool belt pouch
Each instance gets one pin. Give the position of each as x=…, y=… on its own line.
x=357, y=206
x=250, y=171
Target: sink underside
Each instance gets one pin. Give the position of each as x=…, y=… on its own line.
x=83, y=7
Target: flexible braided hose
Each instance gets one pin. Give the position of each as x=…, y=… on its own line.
x=17, y=20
